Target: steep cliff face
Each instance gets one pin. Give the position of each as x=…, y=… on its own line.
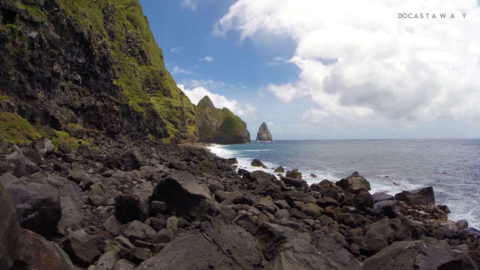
x=219, y=125
x=80, y=65
x=264, y=134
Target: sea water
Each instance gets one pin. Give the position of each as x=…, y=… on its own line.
x=451, y=167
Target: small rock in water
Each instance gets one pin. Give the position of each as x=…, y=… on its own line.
x=258, y=163
x=279, y=169
x=313, y=175
x=295, y=174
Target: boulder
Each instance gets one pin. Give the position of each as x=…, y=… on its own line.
x=82, y=247
x=295, y=174
x=127, y=161
x=37, y=253
x=420, y=255
x=378, y=236
x=267, y=184
x=183, y=195
x=305, y=251
x=138, y=230
x=422, y=196
x=220, y=246
x=130, y=207
x=362, y=199
x=258, y=163
x=354, y=183
x=329, y=190
x=279, y=169
x=37, y=204
x=294, y=182
x=22, y=165
x=9, y=229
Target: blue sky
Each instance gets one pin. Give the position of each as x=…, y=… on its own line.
x=267, y=62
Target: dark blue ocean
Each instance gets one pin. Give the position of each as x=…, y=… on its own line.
x=452, y=167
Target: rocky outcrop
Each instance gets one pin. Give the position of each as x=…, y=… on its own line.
x=219, y=125
x=263, y=134
x=77, y=76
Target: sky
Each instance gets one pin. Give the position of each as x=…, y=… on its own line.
x=345, y=69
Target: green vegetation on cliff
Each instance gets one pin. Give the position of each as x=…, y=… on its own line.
x=140, y=68
x=219, y=125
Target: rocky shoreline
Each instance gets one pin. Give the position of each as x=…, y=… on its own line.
x=149, y=205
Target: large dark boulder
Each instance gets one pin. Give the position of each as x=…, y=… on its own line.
x=354, y=183
x=38, y=205
x=220, y=246
x=420, y=255
x=258, y=163
x=130, y=207
x=307, y=251
x=295, y=174
x=422, y=196
x=293, y=182
x=183, y=195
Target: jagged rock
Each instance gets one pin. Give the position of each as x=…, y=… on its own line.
x=23, y=165
x=37, y=253
x=329, y=189
x=263, y=134
x=138, y=230
x=258, y=163
x=279, y=169
x=421, y=255
x=37, y=205
x=183, y=195
x=293, y=182
x=130, y=207
x=9, y=229
x=354, y=183
x=303, y=252
x=82, y=247
x=267, y=184
x=221, y=246
x=295, y=174
x=422, y=196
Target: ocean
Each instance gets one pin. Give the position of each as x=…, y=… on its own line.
x=451, y=167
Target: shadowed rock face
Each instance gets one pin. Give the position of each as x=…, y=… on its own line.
x=264, y=134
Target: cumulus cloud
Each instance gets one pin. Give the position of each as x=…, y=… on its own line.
x=197, y=93
x=358, y=59
x=189, y=4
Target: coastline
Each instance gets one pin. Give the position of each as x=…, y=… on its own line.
x=149, y=205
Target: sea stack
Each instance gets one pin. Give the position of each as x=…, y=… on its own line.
x=263, y=134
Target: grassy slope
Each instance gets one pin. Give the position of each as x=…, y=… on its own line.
x=169, y=101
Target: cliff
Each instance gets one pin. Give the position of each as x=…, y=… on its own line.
x=264, y=134
x=219, y=125
x=79, y=67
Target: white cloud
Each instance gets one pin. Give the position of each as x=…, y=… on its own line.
x=189, y=4
x=197, y=93
x=363, y=61
x=178, y=70
x=176, y=49
x=208, y=59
